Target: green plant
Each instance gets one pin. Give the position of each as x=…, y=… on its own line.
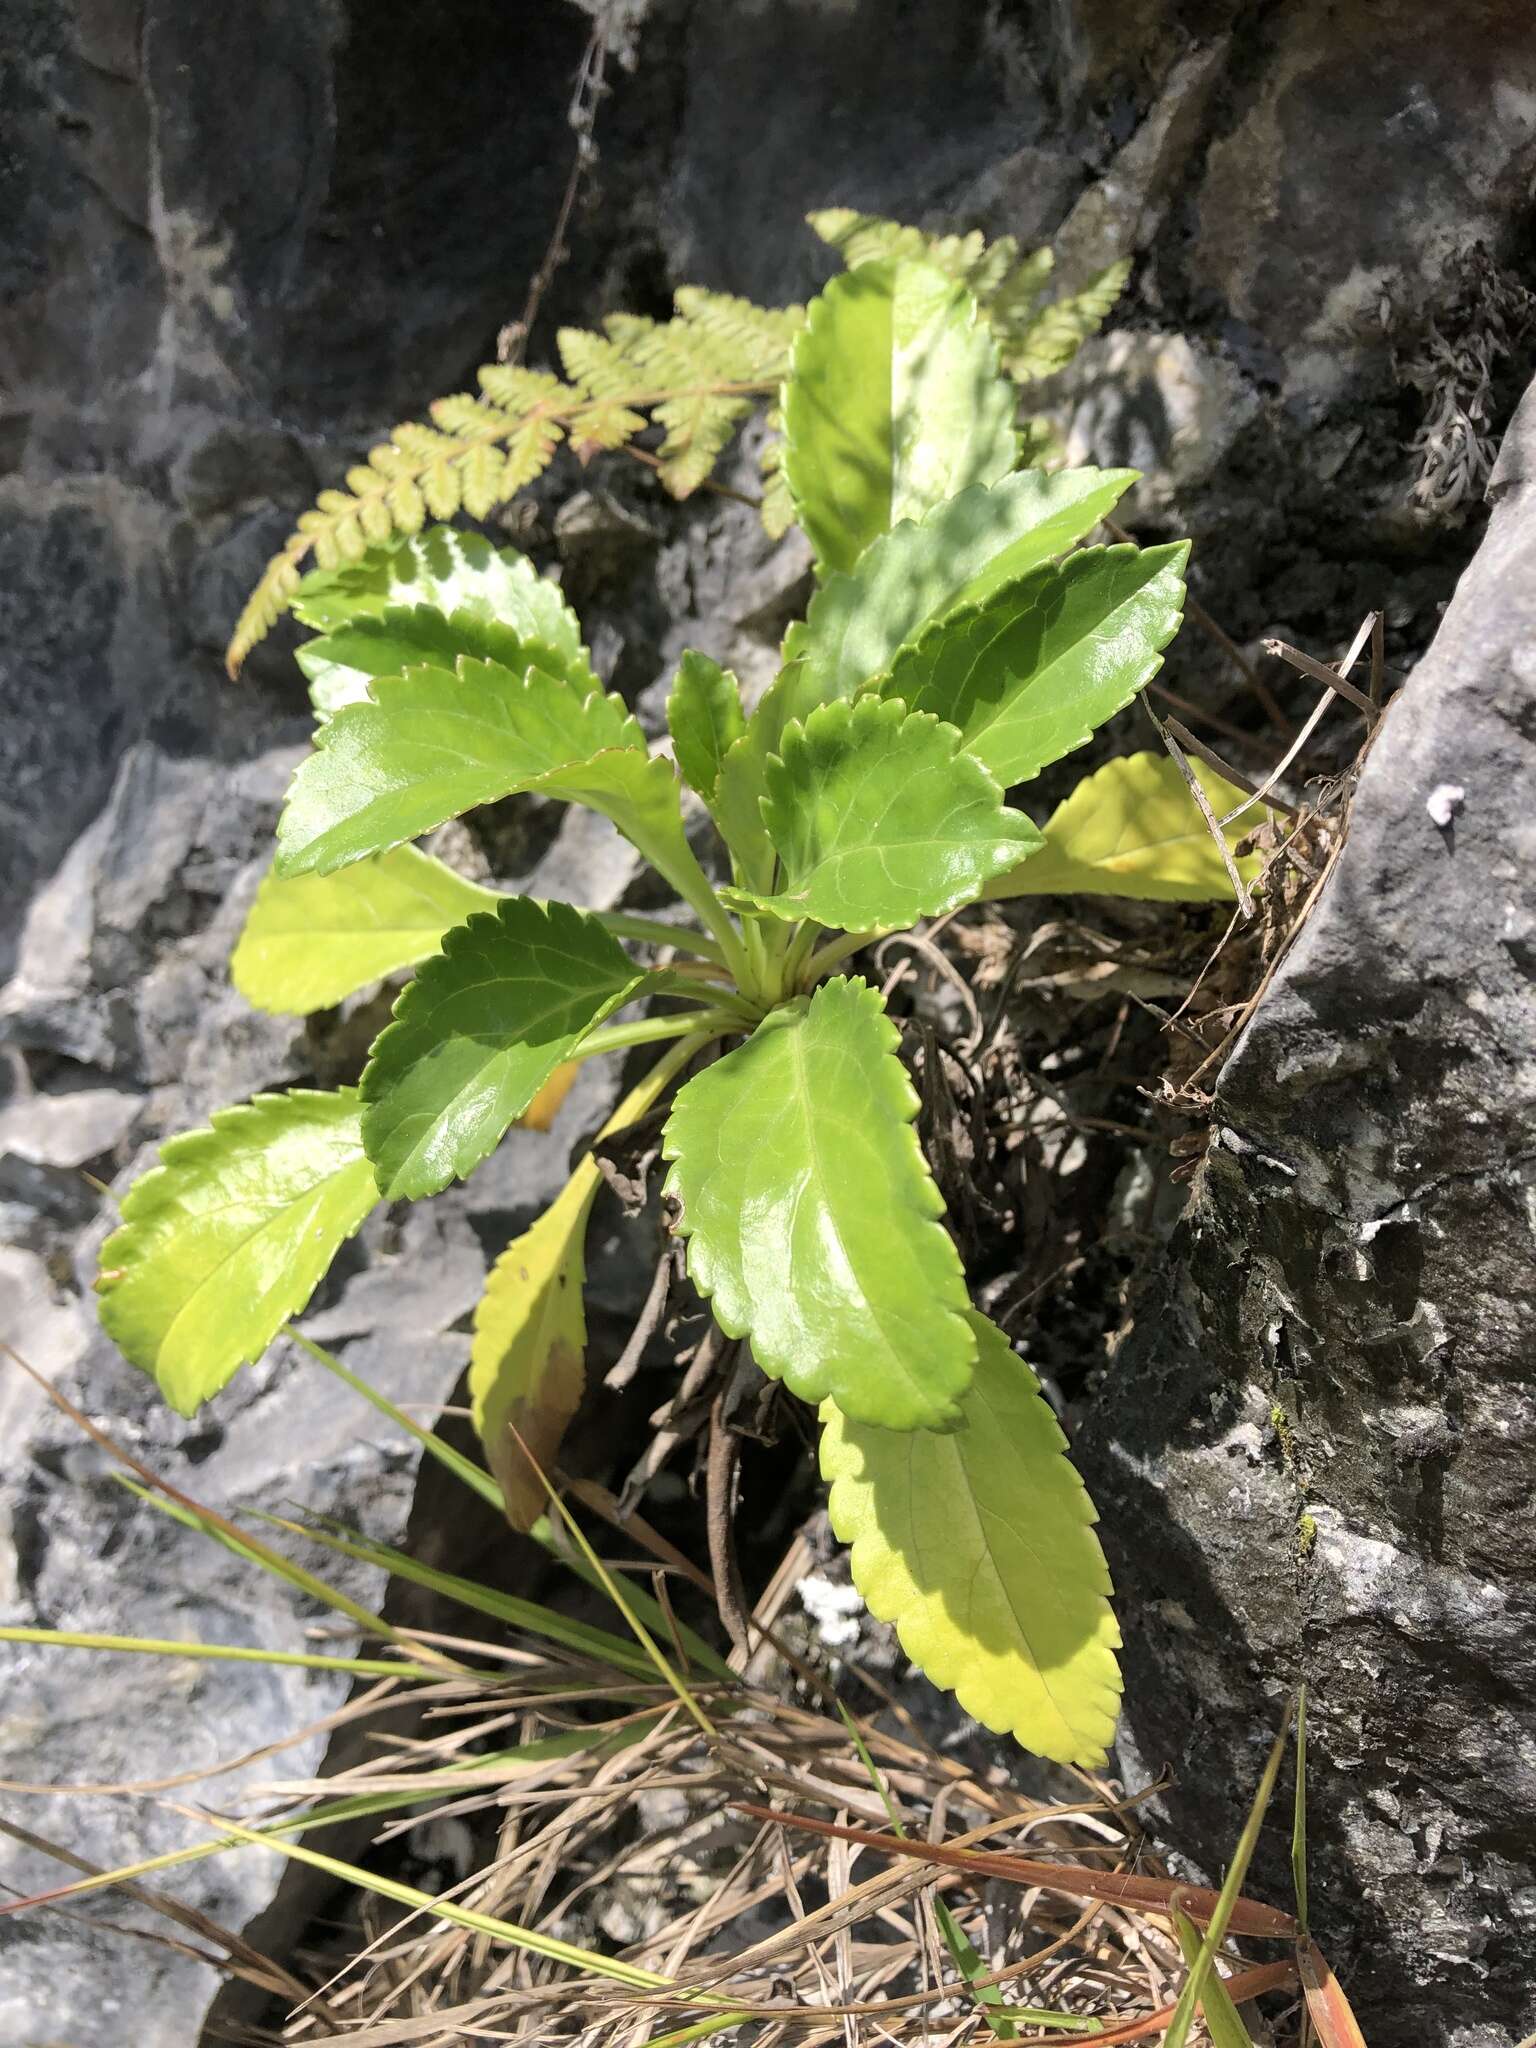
x=695, y=376
x=954, y=648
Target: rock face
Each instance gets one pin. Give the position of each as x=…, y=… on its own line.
x=226, y=260
x=1317, y=1449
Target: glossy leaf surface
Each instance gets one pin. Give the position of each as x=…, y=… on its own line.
x=812, y=1220
x=979, y=1546
x=705, y=719
x=878, y=819
x=430, y=745
x=895, y=401
x=858, y=622
x=478, y=1034
x=1029, y=674
x=341, y=664
x=312, y=940
x=452, y=572
x=228, y=1237
x=1133, y=829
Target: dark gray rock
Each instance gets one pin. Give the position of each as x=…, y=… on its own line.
x=1315, y=1457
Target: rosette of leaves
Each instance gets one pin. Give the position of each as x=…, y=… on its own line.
x=960, y=641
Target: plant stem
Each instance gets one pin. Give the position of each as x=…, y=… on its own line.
x=654, y=932
x=651, y=1030
x=798, y=953
x=708, y=993
x=835, y=952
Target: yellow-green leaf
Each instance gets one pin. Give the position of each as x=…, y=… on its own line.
x=1133, y=829
x=879, y=819
x=979, y=1546
x=312, y=940
x=229, y=1236
x=526, y=1365
x=895, y=402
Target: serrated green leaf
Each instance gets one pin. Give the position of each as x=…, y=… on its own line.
x=312, y=940
x=1029, y=674
x=705, y=719
x=478, y=1033
x=229, y=1236
x=430, y=744
x=894, y=403
x=526, y=1366
x=341, y=664
x=977, y=543
x=1133, y=829
x=451, y=571
x=857, y=623
x=640, y=793
x=812, y=1220
x=879, y=819
x=979, y=1546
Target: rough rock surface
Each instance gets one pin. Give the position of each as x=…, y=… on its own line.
x=224, y=261
x=1316, y=1449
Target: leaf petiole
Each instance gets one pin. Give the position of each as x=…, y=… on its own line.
x=652, y=931
x=836, y=951
x=652, y=1030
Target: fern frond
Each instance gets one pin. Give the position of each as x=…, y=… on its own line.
x=1050, y=340
x=695, y=374
x=1033, y=342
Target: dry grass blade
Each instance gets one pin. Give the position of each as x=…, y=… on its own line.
x=1147, y=1894
x=1328, y=2009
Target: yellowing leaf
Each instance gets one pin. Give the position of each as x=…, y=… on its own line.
x=979, y=1546
x=812, y=1220
x=1133, y=829
x=229, y=1236
x=311, y=940
x=526, y=1365
x=545, y=1106
x=895, y=402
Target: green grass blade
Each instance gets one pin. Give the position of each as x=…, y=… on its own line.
x=230, y=1653
x=251, y=1550
x=528, y=1938
x=1201, y=1968
x=1299, y=1823
x=1221, y=2016
x=473, y=1476
x=546, y=1533
x=527, y=1615
x=643, y=1635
